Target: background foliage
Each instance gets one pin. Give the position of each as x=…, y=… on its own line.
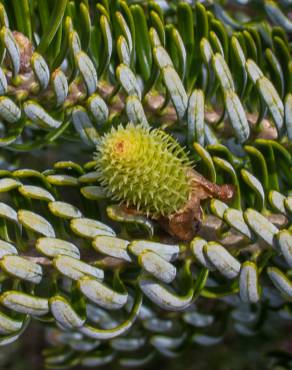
x=215, y=75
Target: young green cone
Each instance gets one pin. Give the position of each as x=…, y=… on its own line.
x=144, y=168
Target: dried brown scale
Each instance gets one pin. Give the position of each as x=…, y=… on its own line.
x=209, y=227
x=254, y=249
x=278, y=220
x=233, y=240
x=39, y=260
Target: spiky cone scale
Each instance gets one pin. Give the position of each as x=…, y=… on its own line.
x=150, y=173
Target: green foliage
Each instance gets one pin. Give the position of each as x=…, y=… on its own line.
x=122, y=64
x=109, y=284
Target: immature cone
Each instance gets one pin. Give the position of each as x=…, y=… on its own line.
x=149, y=172
x=143, y=168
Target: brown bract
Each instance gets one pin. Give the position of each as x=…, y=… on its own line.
x=185, y=223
